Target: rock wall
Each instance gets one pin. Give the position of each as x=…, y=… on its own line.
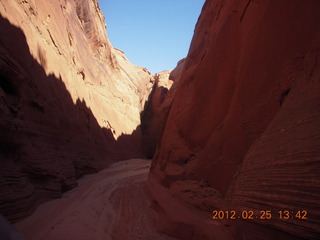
x=243, y=130
x=154, y=113
x=69, y=102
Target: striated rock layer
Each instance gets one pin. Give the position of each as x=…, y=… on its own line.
x=69, y=102
x=243, y=130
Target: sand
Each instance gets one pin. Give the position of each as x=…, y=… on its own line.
x=111, y=204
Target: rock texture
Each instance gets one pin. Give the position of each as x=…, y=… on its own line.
x=175, y=74
x=243, y=128
x=155, y=113
x=69, y=102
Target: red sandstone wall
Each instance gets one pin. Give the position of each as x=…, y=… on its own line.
x=243, y=129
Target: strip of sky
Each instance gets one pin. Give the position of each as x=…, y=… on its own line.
x=153, y=34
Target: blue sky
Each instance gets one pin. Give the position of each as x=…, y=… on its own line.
x=154, y=34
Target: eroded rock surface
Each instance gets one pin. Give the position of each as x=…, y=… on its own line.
x=69, y=102
x=243, y=129
x=155, y=112
x=175, y=74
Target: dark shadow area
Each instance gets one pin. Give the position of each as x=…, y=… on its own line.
x=153, y=118
x=156, y=111
x=46, y=141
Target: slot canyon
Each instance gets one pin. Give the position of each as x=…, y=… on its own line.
x=226, y=146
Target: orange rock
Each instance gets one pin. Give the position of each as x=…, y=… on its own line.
x=70, y=103
x=155, y=112
x=176, y=73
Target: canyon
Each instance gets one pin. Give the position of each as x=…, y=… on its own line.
x=70, y=102
x=233, y=129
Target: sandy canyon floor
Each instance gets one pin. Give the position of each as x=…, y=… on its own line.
x=111, y=204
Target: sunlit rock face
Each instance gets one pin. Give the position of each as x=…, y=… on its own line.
x=243, y=129
x=69, y=102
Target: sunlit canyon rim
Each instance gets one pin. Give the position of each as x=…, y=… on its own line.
x=233, y=135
